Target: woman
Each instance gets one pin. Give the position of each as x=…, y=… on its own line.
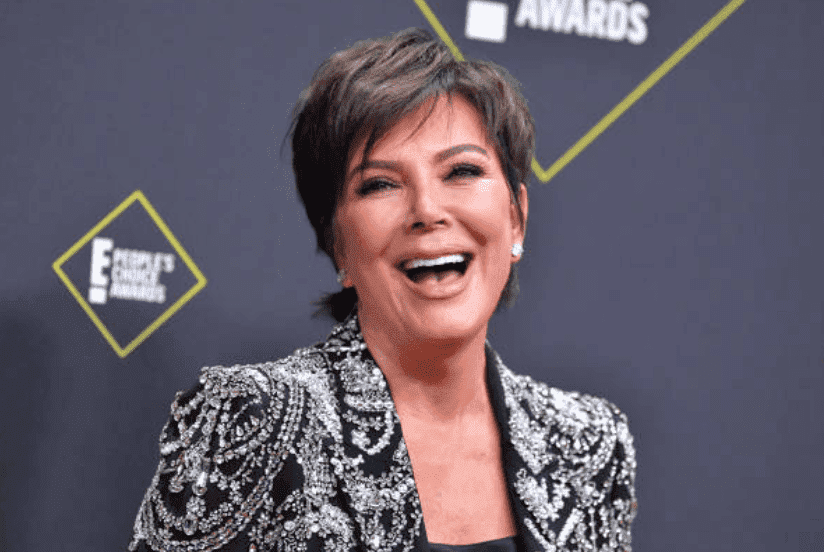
x=403, y=430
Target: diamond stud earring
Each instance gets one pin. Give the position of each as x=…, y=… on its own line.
x=517, y=250
x=341, y=276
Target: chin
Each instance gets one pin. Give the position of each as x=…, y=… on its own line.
x=448, y=323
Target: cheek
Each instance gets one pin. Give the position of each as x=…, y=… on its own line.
x=489, y=216
x=365, y=231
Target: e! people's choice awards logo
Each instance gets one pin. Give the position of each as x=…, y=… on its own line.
x=614, y=20
x=129, y=273
x=135, y=274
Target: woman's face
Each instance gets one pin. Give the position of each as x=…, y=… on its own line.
x=426, y=225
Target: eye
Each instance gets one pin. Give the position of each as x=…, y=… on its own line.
x=375, y=185
x=464, y=170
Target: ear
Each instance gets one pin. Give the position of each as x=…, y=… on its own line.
x=340, y=258
x=518, y=229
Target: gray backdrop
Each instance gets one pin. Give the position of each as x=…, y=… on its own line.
x=675, y=266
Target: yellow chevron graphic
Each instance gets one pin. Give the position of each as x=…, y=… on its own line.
x=545, y=175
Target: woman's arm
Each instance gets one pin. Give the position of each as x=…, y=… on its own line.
x=616, y=512
x=221, y=453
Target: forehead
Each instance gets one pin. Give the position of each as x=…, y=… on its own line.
x=437, y=125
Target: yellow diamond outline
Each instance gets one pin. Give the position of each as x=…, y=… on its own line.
x=137, y=195
x=545, y=175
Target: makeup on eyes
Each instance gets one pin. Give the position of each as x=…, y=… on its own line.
x=458, y=170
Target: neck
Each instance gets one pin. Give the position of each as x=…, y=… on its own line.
x=437, y=380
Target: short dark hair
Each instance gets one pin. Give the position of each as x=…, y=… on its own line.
x=369, y=88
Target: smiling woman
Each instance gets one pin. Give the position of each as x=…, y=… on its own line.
x=404, y=430
x=425, y=229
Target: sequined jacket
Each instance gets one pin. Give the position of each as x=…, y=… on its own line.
x=306, y=453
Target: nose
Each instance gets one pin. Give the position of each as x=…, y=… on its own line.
x=426, y=207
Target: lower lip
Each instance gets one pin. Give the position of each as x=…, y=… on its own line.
x=450, y=286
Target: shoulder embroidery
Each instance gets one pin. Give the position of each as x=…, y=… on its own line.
x=217, y=446
x=300, y=454
x=578, y=483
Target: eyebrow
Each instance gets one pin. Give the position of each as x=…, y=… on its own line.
x=440, y=158
x=455, y=150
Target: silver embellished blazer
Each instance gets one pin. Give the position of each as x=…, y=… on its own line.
x=307, y=454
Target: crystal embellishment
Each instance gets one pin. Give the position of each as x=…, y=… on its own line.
x=307, y=453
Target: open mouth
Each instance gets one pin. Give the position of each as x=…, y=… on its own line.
x=420, y=270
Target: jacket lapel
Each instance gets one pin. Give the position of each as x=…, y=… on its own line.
x=512, y=460
x=374, y=469
x=552, y=448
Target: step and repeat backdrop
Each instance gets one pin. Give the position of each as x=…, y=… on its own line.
x=149, y=226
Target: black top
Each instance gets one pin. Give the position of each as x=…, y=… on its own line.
x=507, y=544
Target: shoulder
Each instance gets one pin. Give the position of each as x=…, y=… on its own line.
x=570, y=411
x=578, y=429
x=228, y=398
x=306, y=369
x=250, y=400
x=225, y=444
x=582, y=444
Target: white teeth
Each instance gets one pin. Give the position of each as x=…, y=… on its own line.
x=448, y=259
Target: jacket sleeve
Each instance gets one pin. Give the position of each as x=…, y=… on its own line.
x=223, y=465
x=617, y=510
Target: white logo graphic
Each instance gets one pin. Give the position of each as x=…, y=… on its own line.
x=614, y=20
x=486, y=20
x=135, y=274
